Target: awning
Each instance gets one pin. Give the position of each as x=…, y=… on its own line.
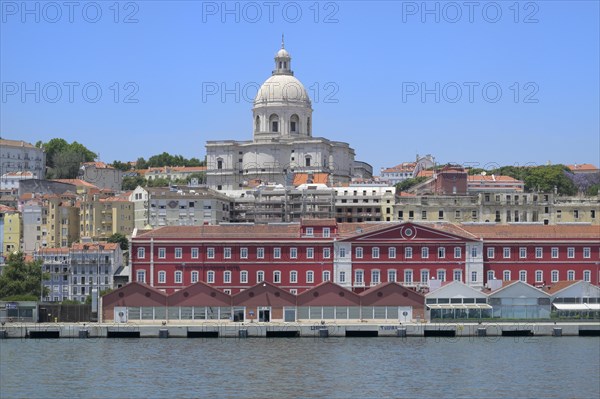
x=459, y=306
x=577, y=306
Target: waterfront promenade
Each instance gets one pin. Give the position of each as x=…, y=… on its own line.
x=227, y=329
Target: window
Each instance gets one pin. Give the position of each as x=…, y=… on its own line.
x=195, y=253
x=326, y=275
x=391, y=275
x=522, y=252
x=587, y=252
x=244, y=253
x=457, y=252
x=473, y=277
x=342, y=278
x=342, y=252
x=293, y=253
x=457, y=275
x=523, y=275
x=227, y=277
x=491, y=275
x=571, y=275
x=392, y=252
x=424, y=215
x=293, y=291
x=424, y=252
x=310, y=277
x=441, y=275
x=408, y=253
x=178, y=253
x=408, y=277
x=194, y=277
x=310, y=253
x=162, y=253
x=375, y=252
x=506, y=253
x=491, y=253
x=375, y=277
x=227, y=253
x=441, y=253
x=554, y=276
x=243, y=277
x=141, y=276
x=424, y=276
x=539, y=276
x=440, y=215
x=178, y=276
x=277, y=277
x=326, y=253
x=210, y=253
x=554, y=252
x=141, y=253
x=358, y=252
x=570, y=252
x=539, y=252
x=326, y=232
x=587, y=275
x=162, y=277
x=359, y=277
x=293, y=277
x=260, y=253
x=506, y=275
x=277, y=253
x=210, y=277
x=260, y=276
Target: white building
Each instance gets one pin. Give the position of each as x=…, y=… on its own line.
x=283, y=142
x=18, y=156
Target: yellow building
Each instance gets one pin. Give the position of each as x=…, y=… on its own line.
x=62, y=220
x=12, y=232
x=102, y=217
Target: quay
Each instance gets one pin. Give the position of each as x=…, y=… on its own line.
x=296, y=329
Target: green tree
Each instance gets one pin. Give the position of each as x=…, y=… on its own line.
x=201, y=176
x=120, y=239
x=408, y=183
x=131, y=182
x=63, y=159
x=546, y=178
x=160, y=182
x=141, y=163
x=124, y=166
x=21, y=277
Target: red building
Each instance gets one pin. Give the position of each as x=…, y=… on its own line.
x=297, y=257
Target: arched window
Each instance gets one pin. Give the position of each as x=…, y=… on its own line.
x=162, y=277
x=257, y=124
x=274, y=123
x=294, y=124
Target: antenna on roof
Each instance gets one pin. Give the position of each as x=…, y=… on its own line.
x=282, y=41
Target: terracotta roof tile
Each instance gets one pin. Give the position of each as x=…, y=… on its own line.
x=498, y=231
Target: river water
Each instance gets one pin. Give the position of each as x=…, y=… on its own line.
x=492, y=367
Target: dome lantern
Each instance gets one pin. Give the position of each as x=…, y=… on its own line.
x=283, y=61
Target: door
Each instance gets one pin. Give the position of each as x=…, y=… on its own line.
x=289, y=315
x=405, y=314
x=264, y=314
x=238, y=314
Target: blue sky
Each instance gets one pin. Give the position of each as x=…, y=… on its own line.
x=492, y=83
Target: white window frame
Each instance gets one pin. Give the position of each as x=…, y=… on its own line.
x=293, y=253
x=570, y=275
x=227, y=253
x=326, y=232
x=506, y=275
x=194, y=277
x=162, y=277
x=293, y=277
x=375, y=253
x=491, y=252
x=554, y=276
x=587, y=252
x=326, y=253
x=310, y=232
x=276, y=277
x=342, y=277
x=140, y=276
x=506, y=253
x=194, y=253
x=141, y=253
x=554, y=252
x=523, y=275
x=456, y=273
x=522, y=252
x=457, y=252
x=408, y=277
x=243, y=253
x=491, y=275
x=260, y=253
x=392, y=275
x=326, y=275
x=408, y=252
x=277, y=253
x=359, y=277
x=358, y=253
x=539, y=252
x=244, y=276
x=375, y=276
x=178, y=253
x=210, y=277
x=425, y=252
x=162, y=253
x=587, y=275
x=310, y=253
x=260, y=276
x=441, y=275
x=539, y=276
x=210, y=253
x=391, y=252
x=571, y=252
x=178, y=277
x=310, y=277
x=227, y=277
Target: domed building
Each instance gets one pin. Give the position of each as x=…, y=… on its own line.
x=283, y=144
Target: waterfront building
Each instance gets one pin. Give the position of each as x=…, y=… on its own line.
x=75, y=271
x=283, y=143
x=364, y=203
x=299, y=256
x=575, y=299
x=456, y=300
x=519, y=300
x=20, y=156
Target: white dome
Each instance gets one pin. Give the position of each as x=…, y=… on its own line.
x=282, y=53
x=282, y=88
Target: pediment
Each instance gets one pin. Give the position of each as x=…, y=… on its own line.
x=415, y=232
